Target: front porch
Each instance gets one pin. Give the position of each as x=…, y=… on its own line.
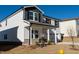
x=38, y=31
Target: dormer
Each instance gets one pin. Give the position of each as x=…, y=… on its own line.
x=32, y=13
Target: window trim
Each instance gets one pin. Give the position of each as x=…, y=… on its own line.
x=30, y=15
x=34, y=16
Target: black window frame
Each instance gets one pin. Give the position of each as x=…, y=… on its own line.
x=36, y=16
x=56, y=23
x=35, y=32
x=5, y=37
x=30, y=14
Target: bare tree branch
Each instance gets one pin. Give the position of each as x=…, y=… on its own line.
x=70, y=32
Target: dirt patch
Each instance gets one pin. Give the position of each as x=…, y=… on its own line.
x=49, y=49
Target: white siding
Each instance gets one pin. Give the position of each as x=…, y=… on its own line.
x=14, y=29
x=66, y=25
x=26, y=33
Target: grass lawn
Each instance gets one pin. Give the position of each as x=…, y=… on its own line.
x=70, y=40
x=50, y=49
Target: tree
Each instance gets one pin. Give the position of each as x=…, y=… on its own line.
x=71, y=33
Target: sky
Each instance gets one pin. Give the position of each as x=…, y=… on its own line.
x=56, y=11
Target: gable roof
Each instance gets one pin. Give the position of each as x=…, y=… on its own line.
x=15, y=12
x=77, y=18
x=35, y=7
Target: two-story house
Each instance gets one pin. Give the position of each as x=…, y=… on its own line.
x=27, y=25
x=69, y=27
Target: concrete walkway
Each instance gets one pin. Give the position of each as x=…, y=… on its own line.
x=68, y=43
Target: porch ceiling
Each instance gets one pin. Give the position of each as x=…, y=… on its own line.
x=42, y=24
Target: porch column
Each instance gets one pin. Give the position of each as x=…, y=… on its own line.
x=55, y=38
x=30, y=35
x=48, y=35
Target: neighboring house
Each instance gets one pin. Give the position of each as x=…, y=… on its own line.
x=28, y=25
x=69, y=27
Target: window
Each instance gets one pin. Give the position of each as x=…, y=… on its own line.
x=33, y=16
x=36, y=16
x=57, y=23
x=44, y=20
x=30, y=15
x=5, y=36
x=48, y=20
x=39, y=17
x=34, y=34
x=6, y=22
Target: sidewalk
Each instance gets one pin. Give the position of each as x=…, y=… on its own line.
x=68, y=43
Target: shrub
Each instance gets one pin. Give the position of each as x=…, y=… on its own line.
x=33, y=46
x=49, y=42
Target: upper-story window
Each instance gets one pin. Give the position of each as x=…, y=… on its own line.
x=53, y=22
x=30, y=15
x=57, y=23
x=36, y=16
x=48, y=21
x=33, y=16
x=44, y=20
